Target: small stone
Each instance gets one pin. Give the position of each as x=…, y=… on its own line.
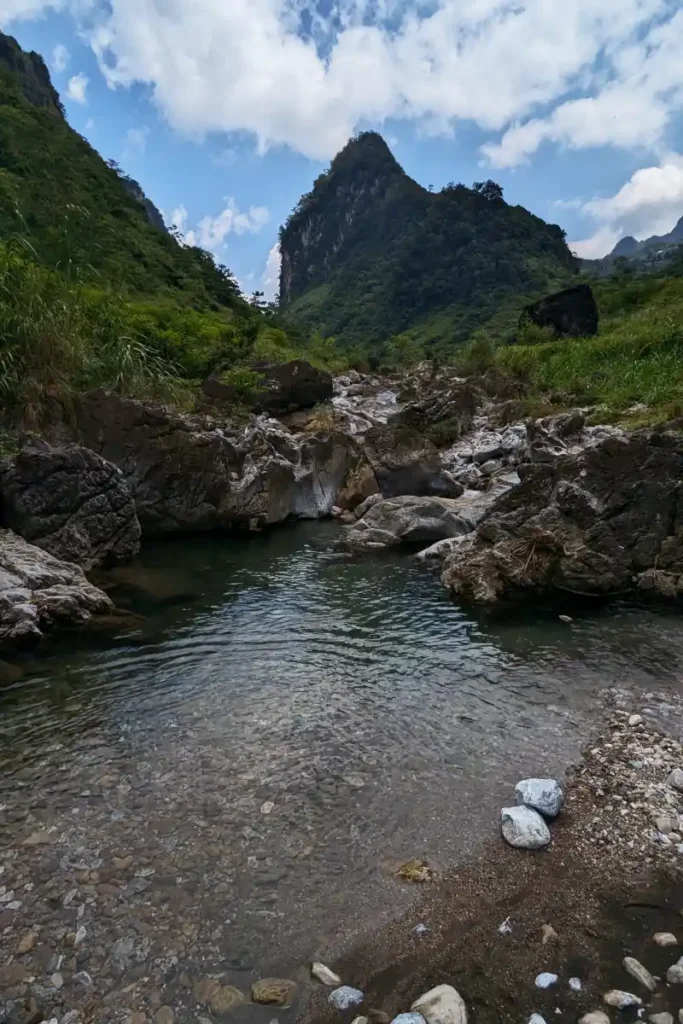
x=164, y=1015
x=575, y=984
x=123, y=863
x=666, y=823
x=595, y=1017
x=27, y=942
x=635, y=720
x=345, y=997
x=205, y=989
x=56, y=980
x=621, y=1000
x=524, y=828
x=420, y=930
x=506, y=927
x=273, y=991
x=665, y=939
x=325, y=975
x=542, y=795
x=226, y=998
x=565, y=618
x=676, y=779
x=416, y=871
x=548, y=934
x=536, y=1018
x=545, y=980
x=83, y=978
x=675, y=974
x=38, y=839
x=442, y=1005
x=79, y=936
x=409, y=1018
x=267, y=807
x=137, y=1018
x=661, y=1018
x=360, y=1020
x=640, y=973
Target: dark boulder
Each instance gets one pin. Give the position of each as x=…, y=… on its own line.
x=70, y=502
x=220, y=392
x=606, y=521
x=291, y=386
x=405, y=462
x=444, y=410
x=572, y=312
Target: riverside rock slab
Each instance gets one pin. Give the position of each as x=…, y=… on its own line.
x=542, y=795
x=441, y=1005
x=524, y=828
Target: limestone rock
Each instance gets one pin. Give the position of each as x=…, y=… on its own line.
x=621, y=1000
x=661, y=1018
x=545, y=980
x=293, y=385
x=39, y=593
x=408, y=1018
x=70, y=502
x=640, y=973
x=405, y=462
x=345, y=997
x=674, y=975
x=602, y=522
x=542, y=795
x=595, y=1017
x=405, y=520
x=665, y=939
x=325, y=975
x=676, y=779
x=524, y=828
x=273, y=991
x=442, y=1005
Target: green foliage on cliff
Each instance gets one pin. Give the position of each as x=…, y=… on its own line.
x=369, y=254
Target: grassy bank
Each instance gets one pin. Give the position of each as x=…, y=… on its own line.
x=636, y=360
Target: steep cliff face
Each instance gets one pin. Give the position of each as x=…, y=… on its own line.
x=369, y=253
x=29, y=72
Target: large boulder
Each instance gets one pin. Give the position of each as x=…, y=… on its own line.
x=572, y=312
x=405, y=520
x=291, y=386
x=606, y=521
x=444, y=410
x=39, y=593
x=70, y=502
x=190, y=473
x=405, y=462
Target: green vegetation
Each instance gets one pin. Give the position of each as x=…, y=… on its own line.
x=636, y=360
x=370, y=254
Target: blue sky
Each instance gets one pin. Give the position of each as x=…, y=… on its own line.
x=226, y=110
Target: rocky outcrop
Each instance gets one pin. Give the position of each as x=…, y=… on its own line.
x=70, y=502
x=405, y=462
x=445, y=409
x=405, y=520
x=291, y=386
x=39, y=592
x=606, y=521
x=190, y=473
x=571, y=312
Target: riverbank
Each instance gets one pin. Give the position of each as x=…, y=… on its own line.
x=609, y=883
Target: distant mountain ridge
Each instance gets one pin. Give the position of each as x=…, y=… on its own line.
x=629, y=246
x=369, y=253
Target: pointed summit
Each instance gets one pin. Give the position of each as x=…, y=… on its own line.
x=29, y=74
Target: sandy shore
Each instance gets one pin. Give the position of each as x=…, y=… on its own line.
x=606, y=885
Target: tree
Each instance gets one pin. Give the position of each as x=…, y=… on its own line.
x=488, y=189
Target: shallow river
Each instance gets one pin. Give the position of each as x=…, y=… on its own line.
x=286, y=727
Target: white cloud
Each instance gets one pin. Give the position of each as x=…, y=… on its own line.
x=649, y=203
x=12, y=10
x=579, y=73
x=60, y=58
x=77, y=88
x=270, y=279
x=211, y=232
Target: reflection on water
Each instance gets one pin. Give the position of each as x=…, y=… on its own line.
x=288, y=722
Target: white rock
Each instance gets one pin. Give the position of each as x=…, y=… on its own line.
x=621, y=1000
x=665, y=939
x=548, y=934
x=536, y=1018
x=676, y=779
x=409, y=1018
x=595, y=1017
x=267, y=807
x=56, y=980
x=360, y=1020
x=545, y=979
x=542, y=795
x=675, y=974
x=506, y=927
x=662, y=1018
x=325, y=975
x=680, y=1016
x=575, y=984
x=524, y=828
x=565, y=618
x=345, y=997
x=442, y=1005
x=80, y=935
x=635, y=719
x=640, y=973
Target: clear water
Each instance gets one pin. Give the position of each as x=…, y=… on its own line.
x=288, y=725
